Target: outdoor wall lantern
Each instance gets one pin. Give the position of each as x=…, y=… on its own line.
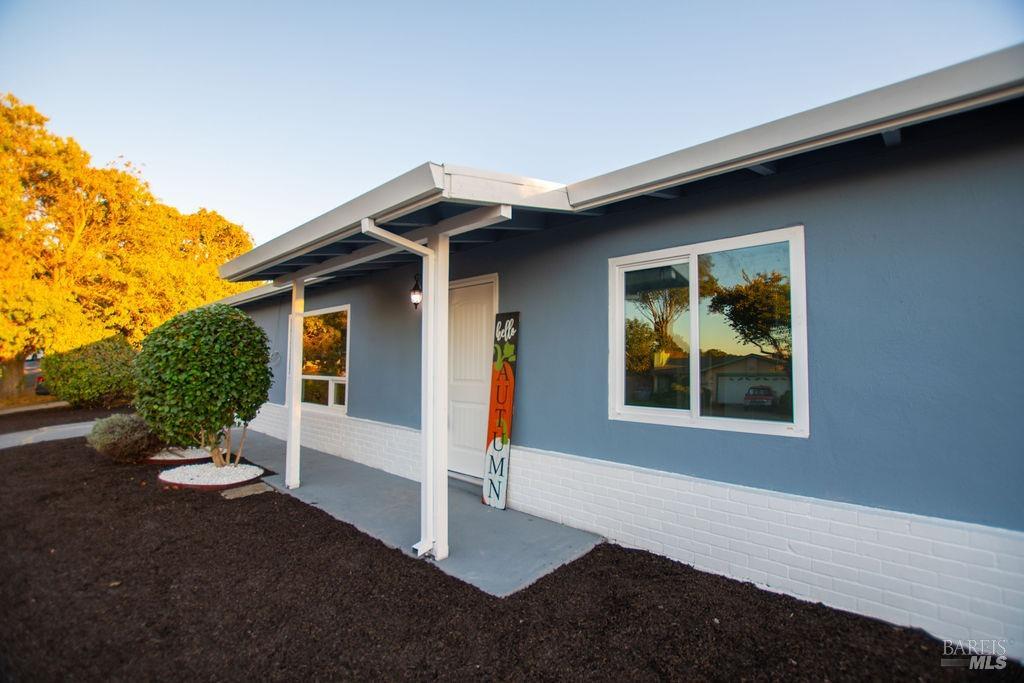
x=416, y=293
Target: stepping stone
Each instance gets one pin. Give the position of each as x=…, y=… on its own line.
x=243, y=491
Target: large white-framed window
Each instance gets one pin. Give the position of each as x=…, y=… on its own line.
x=325, y=346
x=728, y=353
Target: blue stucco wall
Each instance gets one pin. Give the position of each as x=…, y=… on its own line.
x=914, y=258
x=384, y=368
x=273, y=318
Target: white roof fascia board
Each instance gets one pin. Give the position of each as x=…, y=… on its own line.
x=419, y=187
x=977, y=82
x=254, y=294
x=476, y=186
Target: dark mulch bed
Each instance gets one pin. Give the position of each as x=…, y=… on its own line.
x=33, y=419
x=107, y=575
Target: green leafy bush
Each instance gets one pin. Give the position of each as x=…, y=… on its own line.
x=97, y=374
x=201, y=373
x=125, y=438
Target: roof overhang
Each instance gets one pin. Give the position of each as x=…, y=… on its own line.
x=397, y=196
x=423, y=186
x=442, y=191
x=985, y=80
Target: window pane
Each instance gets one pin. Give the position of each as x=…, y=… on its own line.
x=315, y=391
x=339, y=394
x=658, y=337
x=324, y=344
x=746, y=336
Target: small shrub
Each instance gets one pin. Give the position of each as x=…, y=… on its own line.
x=97, y=374
x=124, y=438
x=201, y=373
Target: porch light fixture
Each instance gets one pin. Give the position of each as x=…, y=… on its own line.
x=416, y=293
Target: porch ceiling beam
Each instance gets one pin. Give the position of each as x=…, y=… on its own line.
x=331, y=252
x=456, y=225
x=893, y=137
x=370, y=228
x=396, y=261
x=368, y=267
x=407, y=224
x=767, y=168
x=667, y=193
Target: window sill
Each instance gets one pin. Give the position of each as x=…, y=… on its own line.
x=324, y=410
x=725, y=424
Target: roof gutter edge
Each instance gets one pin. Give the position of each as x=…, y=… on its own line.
x=1000, y=75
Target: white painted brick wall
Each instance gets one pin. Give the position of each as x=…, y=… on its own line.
x=953, y=579
x=387, y=447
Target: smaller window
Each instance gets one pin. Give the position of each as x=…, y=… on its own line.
x=325, y=357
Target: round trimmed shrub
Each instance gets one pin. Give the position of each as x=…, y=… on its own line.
x=124, y=438
x=97, y=374
x=200, y=373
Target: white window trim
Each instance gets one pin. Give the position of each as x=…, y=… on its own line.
x=331, y=407
x=618, y=266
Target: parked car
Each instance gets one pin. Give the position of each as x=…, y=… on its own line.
x=760, y=396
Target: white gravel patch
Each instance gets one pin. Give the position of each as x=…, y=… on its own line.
x=173, y=454
x=208, y=474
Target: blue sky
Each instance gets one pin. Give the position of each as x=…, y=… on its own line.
x=272, y=113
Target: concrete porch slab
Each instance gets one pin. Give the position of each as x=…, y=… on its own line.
x=498, y=551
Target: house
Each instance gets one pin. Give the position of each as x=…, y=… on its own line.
x=860, y=260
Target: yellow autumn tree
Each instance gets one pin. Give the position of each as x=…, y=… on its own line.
x=87, y=252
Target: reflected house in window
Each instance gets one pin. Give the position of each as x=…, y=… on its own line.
x=732, y=386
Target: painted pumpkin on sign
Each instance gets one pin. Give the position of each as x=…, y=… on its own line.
x=503, y=384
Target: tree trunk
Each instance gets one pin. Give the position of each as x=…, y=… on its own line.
x=241, y=444
x=14, y=373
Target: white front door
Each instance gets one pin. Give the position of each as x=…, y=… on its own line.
x=471, y=343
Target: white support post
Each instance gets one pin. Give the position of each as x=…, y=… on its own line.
x=434, y=401
x=426, y=543
x=439, y=350
x=294, y=386
x=434, y=366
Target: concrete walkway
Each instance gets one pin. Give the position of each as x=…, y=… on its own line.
x=498, y=551
x=51, y=433
x=35, y=406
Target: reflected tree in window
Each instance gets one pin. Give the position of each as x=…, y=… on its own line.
x=661, y=308
x=758, y=310
x=657, y=336
x=324, y=344
x=662, y=295
x=641, y=343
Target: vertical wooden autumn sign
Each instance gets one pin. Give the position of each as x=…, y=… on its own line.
x=499, y=415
